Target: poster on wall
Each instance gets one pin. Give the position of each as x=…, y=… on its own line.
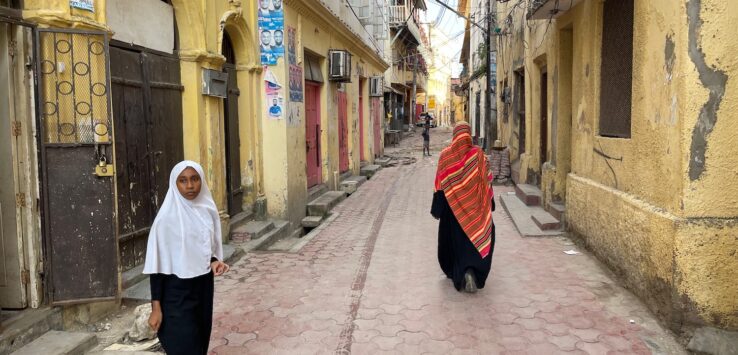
x=291, y=46
x=274, y=100
x=88, y=5
x=296, y=83
x=271, y=30
x=296, y=78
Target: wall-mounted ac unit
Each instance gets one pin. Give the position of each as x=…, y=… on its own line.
x=340, y=65
x=376, y=86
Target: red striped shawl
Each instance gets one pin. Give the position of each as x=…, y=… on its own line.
x=464, y=177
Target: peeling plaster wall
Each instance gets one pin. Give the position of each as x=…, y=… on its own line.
x=710, y=110
x=659, y=207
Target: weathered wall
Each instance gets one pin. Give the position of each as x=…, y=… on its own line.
x=285, y=180
x=659, y=207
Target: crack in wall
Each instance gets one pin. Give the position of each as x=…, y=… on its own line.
x=712, y=79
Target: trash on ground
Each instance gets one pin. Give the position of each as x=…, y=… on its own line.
x=571, y=252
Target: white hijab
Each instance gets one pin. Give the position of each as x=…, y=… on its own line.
x=185, y=234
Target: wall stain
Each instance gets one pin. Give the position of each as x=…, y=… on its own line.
x=712, y=79
x=669, y=55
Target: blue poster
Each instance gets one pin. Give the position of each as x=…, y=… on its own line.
x=271, y=30
x=89, y=5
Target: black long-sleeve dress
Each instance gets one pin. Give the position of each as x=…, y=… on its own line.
x=187, y=312
x=456, y=253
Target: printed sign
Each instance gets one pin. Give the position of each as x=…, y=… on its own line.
x=296, y=78
x=431, y=103
x=271, y=30
x=88, y=5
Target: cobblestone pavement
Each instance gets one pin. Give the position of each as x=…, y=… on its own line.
x=369, y=283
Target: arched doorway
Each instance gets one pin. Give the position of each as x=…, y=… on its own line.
x=232, y=144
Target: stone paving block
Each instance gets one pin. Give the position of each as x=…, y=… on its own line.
x=323, y=204
x=383, y=161
x=311, y=221
x=529, y=194
x=370, y=170
x=252, y=230
x=522, y=217
x=545, y=221
x=352, y=184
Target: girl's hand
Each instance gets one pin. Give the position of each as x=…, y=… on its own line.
x=155, y=317
x=219, y=267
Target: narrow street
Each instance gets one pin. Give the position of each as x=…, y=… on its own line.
x=368, y=282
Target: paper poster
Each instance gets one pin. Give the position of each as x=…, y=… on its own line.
x=88, y=5
x=296, y=79
x=291, y=46
x=275, y=104
x=274, y=100
x=271, y=30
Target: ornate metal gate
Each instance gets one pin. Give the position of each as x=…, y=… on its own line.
x=77, y=165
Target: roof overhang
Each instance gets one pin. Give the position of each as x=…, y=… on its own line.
x=548, y=9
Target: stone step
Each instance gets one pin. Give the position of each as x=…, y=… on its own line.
x=311, y=221
x=557, y=210
x=545, y=221
x=56, y=342
x=26, y=326
x=281, y=231
x=383, y=161
x=323, y=204
x=287, y=243
x=529, y=194
x=370, y=170
x=521, y=216
x=316, y=191
x=140, y=292
x=352, y=184
x=252, y=230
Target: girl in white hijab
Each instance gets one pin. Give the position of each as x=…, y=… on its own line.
x=184, y=252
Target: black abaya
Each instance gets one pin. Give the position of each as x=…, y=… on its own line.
x=456, y=253
x=187, y=310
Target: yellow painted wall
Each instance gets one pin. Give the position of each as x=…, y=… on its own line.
x=285, y=179
x=636, y=202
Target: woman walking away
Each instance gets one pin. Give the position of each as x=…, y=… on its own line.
x=426, y=138
x=183, y=253
x=463, y=201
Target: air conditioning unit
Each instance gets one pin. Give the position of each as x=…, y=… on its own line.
x=376, y=86
x=340, y=65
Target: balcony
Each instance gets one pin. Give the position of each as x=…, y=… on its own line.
x=549, y=9
x=397, y=16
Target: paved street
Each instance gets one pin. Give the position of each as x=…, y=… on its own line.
x=368, y=282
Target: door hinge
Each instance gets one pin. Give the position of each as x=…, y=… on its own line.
x=16, y=128
x=20, y=199
x=25, y=277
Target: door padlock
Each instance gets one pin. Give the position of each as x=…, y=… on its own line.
x=103, y=169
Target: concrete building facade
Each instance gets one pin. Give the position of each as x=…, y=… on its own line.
x=622, y=111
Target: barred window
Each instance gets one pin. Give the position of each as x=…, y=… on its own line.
x=616, y=76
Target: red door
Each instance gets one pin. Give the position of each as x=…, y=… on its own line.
x=361, y=123
x=377, y=118
x=343, y=160
x=312, y=134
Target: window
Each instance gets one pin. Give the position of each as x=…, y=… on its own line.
x=616, y=76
